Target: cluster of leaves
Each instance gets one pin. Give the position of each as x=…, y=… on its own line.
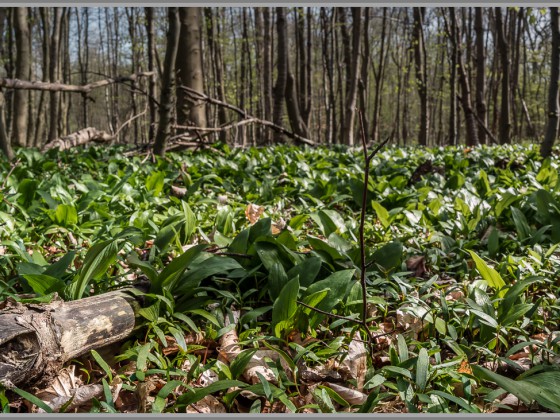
x=462, y=269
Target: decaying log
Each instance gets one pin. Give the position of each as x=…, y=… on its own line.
x=79, y=138
x=37, y=339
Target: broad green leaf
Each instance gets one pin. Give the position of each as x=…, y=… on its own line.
x=66, y=215
x=307, y=271
x=98, y=259
x=491, y=276
x=43, y=284
x=521, y=224
x=382, y=214
x=238, y=365
x=285, y=306
x=338, y=283
x=176, y=267
x=154, y=182
x=102, y=364
x=195, y=395
x=389, y=256
x=277, y=278
x=422, y=365
x=33, y=399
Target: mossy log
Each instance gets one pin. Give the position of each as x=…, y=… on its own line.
x=37, y=339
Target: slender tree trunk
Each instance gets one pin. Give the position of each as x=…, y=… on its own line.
x=23, y=69
x=5, y=144
x=466, y=100
x=282, y=70
x=54, y=74
x=150, y=32
x=363, y=85
x=503, y=48
x=189, y=68
x=267, y=71
x=168, y=82
x=353, y=74
x=480, y=73
x=419, y=48
x=378, y=75
x=553, y=113
x=213, y=34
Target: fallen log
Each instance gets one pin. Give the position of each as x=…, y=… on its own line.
x=37, y=339
x=79, y=138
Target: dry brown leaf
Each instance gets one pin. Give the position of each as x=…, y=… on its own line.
x=355, y=362
x=179, y=192
x=417, y=264
x=253, y=212
x=230, y=349
x=351, y=396
x=207, y=405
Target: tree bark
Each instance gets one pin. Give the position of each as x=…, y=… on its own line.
x=480, y=73
x=353, y=75
x=189, y=67
x=167, y=96
x=36, y=340
x=23, y=70
x=466, y=101
x=54, y=73
x=282, y=71
x=553, y=113
x=150, y=34
x=419, y=48
x=503, y=49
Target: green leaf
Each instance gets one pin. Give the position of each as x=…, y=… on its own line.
x=422, y=365
x=98, y=259
x=238, y=365
x=338, y=283
x=285, y=306
x=159, y=403
x=192, y=396
x=175, y=268
x=154, y=182
x=277, y=279
x=66, y=215
x=491, y=276
x=307, y=271
x=43, y=284
x=33, y=399
x=389, y=256
x=102, y=364
x=471, y=408
x=521, y=224
x=382, y=214
x=146, y=268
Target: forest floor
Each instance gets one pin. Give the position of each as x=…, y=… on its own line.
x=247, y=264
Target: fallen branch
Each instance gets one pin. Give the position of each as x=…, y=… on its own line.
x=248, y=119
x=79, y=138
x=37, y=339
x=61, y=87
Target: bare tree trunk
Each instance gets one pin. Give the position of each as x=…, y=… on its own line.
x=452, y=140
x=189, y=67
x=54, y=73
x=480, y=73
x=353, y=74
x=553, y=113
x=282, y=70
x=267, y=71
x=213, y=33
x=419, y=48
x=168, y=83
x=327, y=61
x=23, y=69
x=5, y=144
x=378, y=75
x=466, y=100
x=503, y=48
x=150, y=31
